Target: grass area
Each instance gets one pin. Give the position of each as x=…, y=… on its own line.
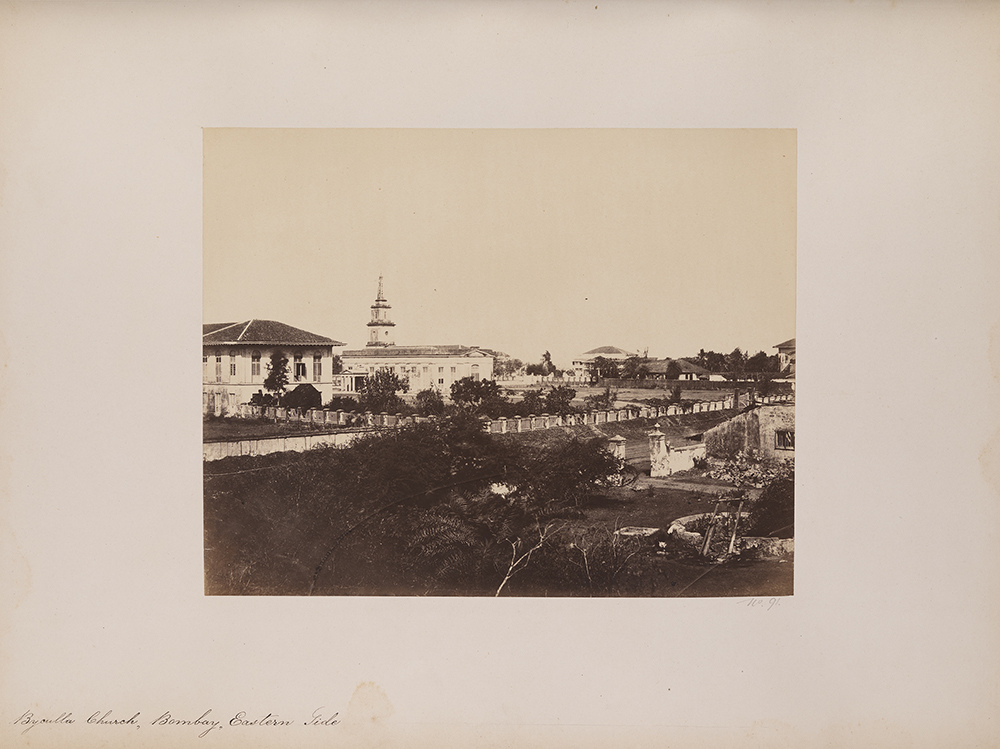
x=231, y=428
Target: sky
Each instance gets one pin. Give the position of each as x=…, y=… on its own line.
x=523, y=241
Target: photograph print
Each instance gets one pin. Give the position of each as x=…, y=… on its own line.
x=547, y=363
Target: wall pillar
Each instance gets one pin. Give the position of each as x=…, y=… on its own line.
x=616, y=445
x=659, y=453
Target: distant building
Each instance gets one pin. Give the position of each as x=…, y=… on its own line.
x=235, y=357
x=581, y=364
x=687, y=370
x=786, y=356
x=435, y=367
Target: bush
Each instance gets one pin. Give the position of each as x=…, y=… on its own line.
x=342, y=403
x=263, y=399
x=602, y=401
x=429, y=402
x=379, y=393
x=303, y=397
x=559, y=400
x=773, y=513
x=531, y=402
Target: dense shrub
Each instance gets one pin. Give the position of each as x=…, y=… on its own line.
x=303, y=397
x=439, y=507
x=378, y=393
x=342, y=403
x=559, y=400
x=531, y=402
x=429, y=402
x=263, y=399
x=773, y=513
x=602, y=401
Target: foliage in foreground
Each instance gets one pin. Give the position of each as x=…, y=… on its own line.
x=431, y=508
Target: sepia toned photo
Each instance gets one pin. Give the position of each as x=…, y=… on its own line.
x=545, y=363
x=499, y=422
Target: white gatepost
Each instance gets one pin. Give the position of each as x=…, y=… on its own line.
x=659, y=453
x=616, y=445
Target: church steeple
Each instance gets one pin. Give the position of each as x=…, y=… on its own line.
x=380, y=327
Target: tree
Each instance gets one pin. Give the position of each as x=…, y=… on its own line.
x=429, y=402
x=761, y=363
x=471, y=394
x=337, y=365
x=635, y=368
x=559, y=400
x=506, y=367
x=602, y=401
x=544, y=368
x=547, y=364
x=532, y=402
x=673, y=370
x=277, y=374
x=736, y=361
x=378, y=392
x=602, y=368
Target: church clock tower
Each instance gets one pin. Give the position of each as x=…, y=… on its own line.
x=380, y=327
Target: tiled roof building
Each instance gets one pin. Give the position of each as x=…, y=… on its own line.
x=235, y=357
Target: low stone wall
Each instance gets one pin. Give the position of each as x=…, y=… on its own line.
x=769, y=548
x=267, y=445
x=682, y=458
x=318, y=416
x=323, y=417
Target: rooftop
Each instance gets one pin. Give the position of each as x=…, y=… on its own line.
x=413, y=352
x=261, y=332
x=608, y=350
x=660, y=366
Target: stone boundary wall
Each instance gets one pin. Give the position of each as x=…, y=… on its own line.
x=363, y=423
x=651, y=383
x=545, y=421
x=321, y=417
x=267, y=445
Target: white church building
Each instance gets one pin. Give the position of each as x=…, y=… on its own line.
x=424, y=366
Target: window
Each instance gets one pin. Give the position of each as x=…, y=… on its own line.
x=218, y=367
x=784, y=439
x=255, y=364
x=317, y=367
x=204, y=367
x=440, y=370
x=300, y=368
x=232, y=363
x=475, y=372
x=441, y=381
x=453, y=370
